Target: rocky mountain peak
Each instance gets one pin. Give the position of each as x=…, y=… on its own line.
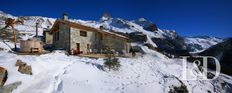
x=147, y=25
x=142, y=19
x=106, y=16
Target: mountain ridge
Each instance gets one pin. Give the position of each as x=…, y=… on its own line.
x=121, y=25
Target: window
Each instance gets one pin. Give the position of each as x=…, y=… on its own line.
x=83, y=33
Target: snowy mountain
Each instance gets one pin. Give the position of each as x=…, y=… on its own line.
x=149, y=26
x=5, y=15
x=223, y=52
x=201, y=43
x=152, y=72
x=29, y=23
x=194, y=44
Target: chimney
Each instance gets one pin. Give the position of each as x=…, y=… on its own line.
x=101, y=28
x=36, y=35
x=65, y=16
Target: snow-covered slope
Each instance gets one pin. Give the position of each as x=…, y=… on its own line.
x=59, y=73
x=201, y=43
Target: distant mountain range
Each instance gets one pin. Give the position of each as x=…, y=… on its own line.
x=223, y=52
x=147, y=28
x=200, y=43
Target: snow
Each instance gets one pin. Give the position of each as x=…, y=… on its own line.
x=199, y=44
x=6, y=15
x=6, y=45
x=142, y=19
x=59, y=73
x=151, y=42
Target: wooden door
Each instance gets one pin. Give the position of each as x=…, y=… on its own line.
x=78, y=48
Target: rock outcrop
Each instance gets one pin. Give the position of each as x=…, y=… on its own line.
x=19, y=63
x=3, y=76
x=151, y=27
x=10, y=87
x=175, y=47
x=23, y=67
x=147, y=25
x=138, y=37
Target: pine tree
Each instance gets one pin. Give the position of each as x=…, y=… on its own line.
x=111, y=62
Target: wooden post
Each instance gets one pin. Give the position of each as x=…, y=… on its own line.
x=36, y=35
x=15, y=40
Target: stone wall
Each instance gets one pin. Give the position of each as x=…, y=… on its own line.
x=48, y=38
x=93, y=39
x=118, y=44
x=63, y=35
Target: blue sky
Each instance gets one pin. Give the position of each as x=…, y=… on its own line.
x=187, y=17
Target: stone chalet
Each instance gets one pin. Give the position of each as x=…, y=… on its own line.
x=75, y=37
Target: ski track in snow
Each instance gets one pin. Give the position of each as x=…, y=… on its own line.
x=58, y=84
